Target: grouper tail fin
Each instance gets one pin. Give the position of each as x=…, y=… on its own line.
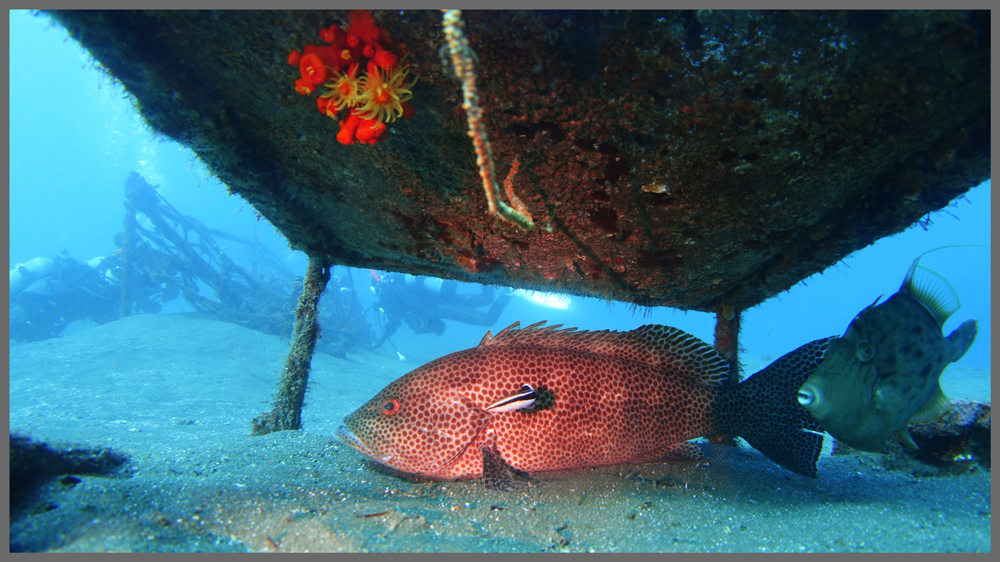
x=764, y=410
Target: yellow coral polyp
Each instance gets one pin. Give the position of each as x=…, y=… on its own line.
x=381, y=97
x=344, y=91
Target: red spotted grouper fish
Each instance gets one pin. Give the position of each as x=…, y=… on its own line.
x=539, y=398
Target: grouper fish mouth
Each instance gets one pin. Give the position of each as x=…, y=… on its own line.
x=347, y=436
x=543, y=398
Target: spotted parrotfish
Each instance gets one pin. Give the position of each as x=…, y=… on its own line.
x=883, y=373
x=543, y=398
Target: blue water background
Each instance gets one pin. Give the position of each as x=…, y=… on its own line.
x=75, y=136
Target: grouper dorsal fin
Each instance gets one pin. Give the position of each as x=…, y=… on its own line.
x=664, y=346
x=932, y=291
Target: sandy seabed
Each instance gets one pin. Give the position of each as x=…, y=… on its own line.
x=176, y=393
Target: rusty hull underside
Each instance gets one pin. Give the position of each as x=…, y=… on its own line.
x=683, y=159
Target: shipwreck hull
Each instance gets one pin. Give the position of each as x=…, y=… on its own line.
x=686, y=159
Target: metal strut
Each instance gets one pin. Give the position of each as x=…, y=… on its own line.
x=287, y=411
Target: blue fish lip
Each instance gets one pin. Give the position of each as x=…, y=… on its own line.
x=345, y=434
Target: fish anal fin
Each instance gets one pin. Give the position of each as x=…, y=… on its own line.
x=683, y=451
x=936, y=406
x=498, y=475
x=932, y=291
x=906, y=439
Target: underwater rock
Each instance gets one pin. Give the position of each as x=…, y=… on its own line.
x=957, y=443
x=33, y=463
x=960, y=438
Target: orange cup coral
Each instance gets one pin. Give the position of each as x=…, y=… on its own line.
x=382, y=96
x=304, y=86
x=313, y=68
x=379, y=97
x=345, y=89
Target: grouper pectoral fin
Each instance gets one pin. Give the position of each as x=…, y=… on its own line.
x=498, y=475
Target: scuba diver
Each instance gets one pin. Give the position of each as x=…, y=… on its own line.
x=46, y=295
x=424, y=302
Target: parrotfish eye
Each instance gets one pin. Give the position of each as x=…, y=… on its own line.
x=390, y=407
x=865, y=352
x=806, y=397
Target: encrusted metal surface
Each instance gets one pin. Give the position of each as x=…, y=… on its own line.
x=686, y=159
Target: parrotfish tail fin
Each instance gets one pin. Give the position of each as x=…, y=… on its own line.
x=961, y=339
x=764, y=410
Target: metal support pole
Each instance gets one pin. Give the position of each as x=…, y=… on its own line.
x=727, y=340
x=287, y=411
x=727, y=343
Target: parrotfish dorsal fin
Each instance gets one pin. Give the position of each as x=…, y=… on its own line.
x=932, y=291
x=663, y=346
x=936, y=406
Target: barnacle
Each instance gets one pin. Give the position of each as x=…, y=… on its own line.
x=383, y=96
